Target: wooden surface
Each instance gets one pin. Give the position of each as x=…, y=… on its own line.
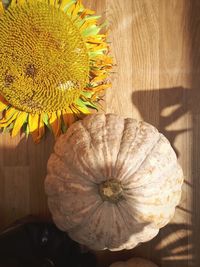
x=156, y=44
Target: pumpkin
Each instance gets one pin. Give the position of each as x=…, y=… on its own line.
x=112, y=182
x=134, y=262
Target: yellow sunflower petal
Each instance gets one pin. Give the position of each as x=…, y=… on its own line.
x=101, y=87
x=70, y=9
x=1, y=7
x=55, y=122
x=65, y=2
x=76, y=9
x=9, y=113
x=103, y=60
x=87, y=12
x=93, y=40
x=94, y=47
x=10, y=116
x=99, y=78
x=19, y=121
x=52, y=2
x=33, y=122
x=39, y=132
x=2, y=106
x=52, y=117
x=21, y=1
x=98, y=72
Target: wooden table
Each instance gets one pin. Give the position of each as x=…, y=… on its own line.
x=156, y=45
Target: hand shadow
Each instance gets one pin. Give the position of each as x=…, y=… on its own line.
x=180, y=100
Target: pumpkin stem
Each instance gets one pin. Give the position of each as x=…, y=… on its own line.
x=111, y=190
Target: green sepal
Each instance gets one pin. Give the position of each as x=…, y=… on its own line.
x=80, y=103
x=97, y=53
x=92, y=17
x=8, y=128
x=90, y=104
x=67, y=6
x=87, y=94
x=92, y=30
x=63, y=127
x=85, y=104
x=27, y=131
x=45, y=119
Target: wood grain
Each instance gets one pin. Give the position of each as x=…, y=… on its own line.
x=156, y=45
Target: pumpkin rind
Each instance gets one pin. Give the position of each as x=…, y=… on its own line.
x=105, y=147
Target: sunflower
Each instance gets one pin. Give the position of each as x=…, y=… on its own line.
x=54, y=65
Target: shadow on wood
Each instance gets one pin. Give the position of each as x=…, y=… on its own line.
x=23, y=170
x=174, y=103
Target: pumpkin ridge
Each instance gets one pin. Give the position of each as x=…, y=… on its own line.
x=135, y=212
x=146, y=158
x=92, y=145
x=142, y=165
x=116, y=221
x=106, y=151
x=125, y=223
x=104, y=140
x=121, y=141
x=64, y=157
x=75, y=170
x=81, y=160
x=146, y=225
x=137, y=129
x=85, y=220
x=146, y=155
x=103, y=130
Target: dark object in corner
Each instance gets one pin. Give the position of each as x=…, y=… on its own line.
x=36, y=244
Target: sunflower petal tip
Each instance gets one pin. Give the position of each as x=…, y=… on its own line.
x=1, y=7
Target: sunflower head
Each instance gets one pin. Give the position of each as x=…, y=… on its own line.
x=54, y=62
